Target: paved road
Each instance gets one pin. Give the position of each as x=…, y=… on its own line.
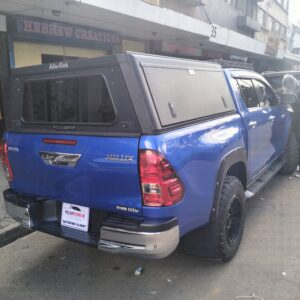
x=39, y=266
x=5, y=220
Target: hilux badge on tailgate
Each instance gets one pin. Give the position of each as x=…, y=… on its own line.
x=117, y=157
x=60, y=159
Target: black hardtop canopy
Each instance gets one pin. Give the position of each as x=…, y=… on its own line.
x=128, y=57
x=161, y=92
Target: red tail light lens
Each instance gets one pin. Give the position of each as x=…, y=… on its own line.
x=159, y=181
x=60, y=142
x=5, y=162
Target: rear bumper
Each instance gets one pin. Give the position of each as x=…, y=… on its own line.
x=148, y=244
x=111, y=234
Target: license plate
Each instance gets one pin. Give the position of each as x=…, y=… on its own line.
x=75, y=216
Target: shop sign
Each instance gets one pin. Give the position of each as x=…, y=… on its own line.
x=2, y=23
x=180, y=49
x=210, y=54
x=238, y=58
x=296, y=67
x=272, y=46
x=40, y=29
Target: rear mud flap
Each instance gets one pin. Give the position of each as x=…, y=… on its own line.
x=202, y=241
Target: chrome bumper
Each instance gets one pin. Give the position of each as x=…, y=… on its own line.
x=153, y=240
x=20, y=212
x=146, y=244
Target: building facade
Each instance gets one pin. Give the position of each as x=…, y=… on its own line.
x=263, y=20
x=34, y=41
x=4, y=68
x=236, y=15
x=252, y=31
x=274, y=20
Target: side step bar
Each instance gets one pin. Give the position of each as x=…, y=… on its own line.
x=257, y=185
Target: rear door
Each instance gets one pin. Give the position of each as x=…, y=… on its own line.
x=74, y=138
x=277, y=117
x=257, y=122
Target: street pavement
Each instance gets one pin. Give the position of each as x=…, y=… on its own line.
x=267, y=266
x=10, y=230
x=5, y=220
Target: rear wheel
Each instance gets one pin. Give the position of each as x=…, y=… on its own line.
x=291, y=155
x=220, y=239
x=231, y=218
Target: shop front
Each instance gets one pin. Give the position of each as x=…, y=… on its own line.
x=34, y=41
x=4, y=69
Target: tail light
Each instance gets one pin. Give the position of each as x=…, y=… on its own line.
x=5, y=162
x=60, y=142
x=159, y=182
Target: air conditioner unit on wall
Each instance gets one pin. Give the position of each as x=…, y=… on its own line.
x=153, y=2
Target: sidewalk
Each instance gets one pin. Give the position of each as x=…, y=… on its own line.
x=10, y=230
x=5, y=220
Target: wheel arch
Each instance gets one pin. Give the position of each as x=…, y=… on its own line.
x=232, y=164
x=239, y=171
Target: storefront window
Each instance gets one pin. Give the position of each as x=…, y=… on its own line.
x=277, y=27
x=283, y=32
x=231, y=2
x=270, y=23
x=241, y=5
x=261, y=17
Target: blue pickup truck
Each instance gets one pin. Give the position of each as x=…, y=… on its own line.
x=134, y=153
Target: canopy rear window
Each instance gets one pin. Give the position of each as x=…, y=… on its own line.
x=68, y=100
x=181, y=95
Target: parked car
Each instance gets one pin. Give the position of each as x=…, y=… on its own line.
x=131, y=153
x=275, y=78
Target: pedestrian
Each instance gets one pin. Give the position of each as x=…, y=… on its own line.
x=292, y=85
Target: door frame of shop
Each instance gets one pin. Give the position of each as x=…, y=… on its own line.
x=4, y=78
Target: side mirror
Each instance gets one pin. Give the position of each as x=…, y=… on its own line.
x=288, y=98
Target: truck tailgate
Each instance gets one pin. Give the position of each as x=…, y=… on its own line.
x=102, y=174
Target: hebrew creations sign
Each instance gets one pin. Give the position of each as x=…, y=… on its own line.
x=58, y=32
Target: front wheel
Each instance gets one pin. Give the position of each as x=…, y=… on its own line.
x=231, y=218
x=291, y=155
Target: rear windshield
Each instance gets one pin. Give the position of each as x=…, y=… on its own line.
x=181, y=95
x=68, y=100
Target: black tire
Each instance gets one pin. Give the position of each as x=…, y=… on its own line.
x=291, y=156
x=211, y=240
x=230, y=219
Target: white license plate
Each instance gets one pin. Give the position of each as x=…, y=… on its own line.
x=75, y=216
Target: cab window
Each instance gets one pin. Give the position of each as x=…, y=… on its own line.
x=265, y=95
x=248, y=92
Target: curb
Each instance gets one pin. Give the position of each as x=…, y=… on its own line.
x=11, y=233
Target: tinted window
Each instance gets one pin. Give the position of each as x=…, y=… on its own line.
x=68, y=100
x=276, y=82
x=265, y=94
x=180, y=95
x=248, y=92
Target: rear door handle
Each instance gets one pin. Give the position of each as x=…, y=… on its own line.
x=272, y=118
x=253, y=124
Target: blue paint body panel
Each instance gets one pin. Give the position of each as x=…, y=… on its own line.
x=195, y=152
x=268, y=140
x=95, y=182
